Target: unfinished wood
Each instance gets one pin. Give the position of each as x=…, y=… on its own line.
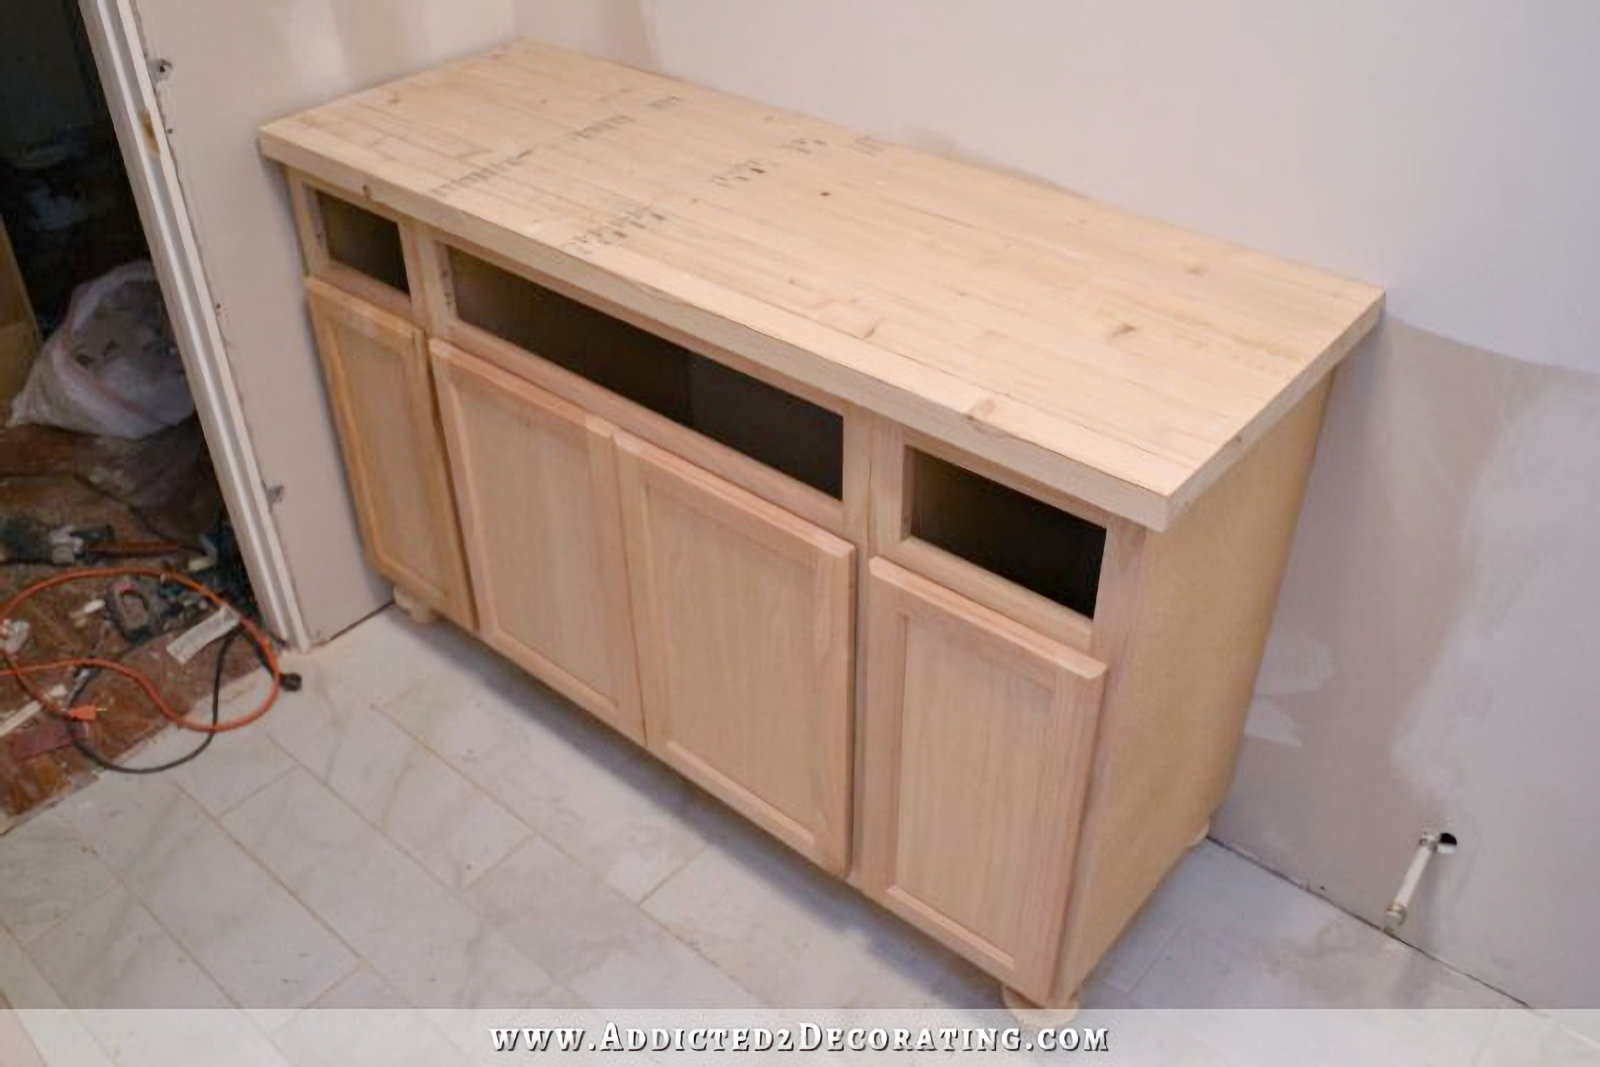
x=415, y=610
x=383, y=402
x=1028, y=1013
x=978, y=739
x=1046, y=550
x=994, y=534
x=836, y=513
x=536, y=483
x=1185, y=670
x=774, y=427
x=19, y=333
x=357, y=245
x=1118, y=359
x=744, y=618
x=710, y=358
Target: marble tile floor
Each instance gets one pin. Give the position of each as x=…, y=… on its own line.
x=424, y=827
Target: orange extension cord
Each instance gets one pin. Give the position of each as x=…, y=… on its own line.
x=23, y=672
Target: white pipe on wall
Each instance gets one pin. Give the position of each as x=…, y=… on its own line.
x=1431, y=844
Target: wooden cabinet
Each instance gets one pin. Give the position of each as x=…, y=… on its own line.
x=536, y=482
x=978, y=738
x=744, y=616
x=704, y=377
x=376, y=366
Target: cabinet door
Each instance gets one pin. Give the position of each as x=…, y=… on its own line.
x=744, y=614
x=382, y=396
x=978, y=736
x=536, y=480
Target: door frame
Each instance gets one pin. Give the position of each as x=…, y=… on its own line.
x=129, y=87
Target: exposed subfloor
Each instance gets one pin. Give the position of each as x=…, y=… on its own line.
x=159, y=489
x=424, y=826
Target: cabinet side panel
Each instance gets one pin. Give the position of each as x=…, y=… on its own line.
x=1181, y=685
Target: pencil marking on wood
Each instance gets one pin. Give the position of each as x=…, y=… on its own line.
x=615, y=230
x=739, y=173
x=805, y=145
x=604, y=126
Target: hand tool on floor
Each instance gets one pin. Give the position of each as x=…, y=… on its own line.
x=25, y=539
x=145, y=608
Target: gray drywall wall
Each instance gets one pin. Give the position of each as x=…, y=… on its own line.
x=1429, y=663
x=232, y=66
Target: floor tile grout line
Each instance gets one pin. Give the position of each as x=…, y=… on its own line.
x=378, y=828
x=677, y=870
x=534, y=830
x=220, y=815
x=706, y=841
x=162, y=926
x=254, y=859
x=394, y=796
x=1155, y=957
x=28, y=947
x=399, y=847
x=1305, y=889
x=367, y=705
x=355, y=969
x=116, y=880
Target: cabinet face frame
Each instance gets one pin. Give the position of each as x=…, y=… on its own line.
x=892, y=539
x=898, y=601
x=456, y=373
x=334, y=314
x=320, y=264
x=647, y=470
x=845, y=515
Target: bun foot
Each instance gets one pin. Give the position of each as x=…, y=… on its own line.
x=1030, y=1014
x=419, y=612
x=1205, y=832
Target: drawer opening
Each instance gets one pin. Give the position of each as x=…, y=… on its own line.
x=1044, y=549
x=774, y=427
x=363, y=241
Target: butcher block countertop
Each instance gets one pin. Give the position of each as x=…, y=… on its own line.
x=1119, y=359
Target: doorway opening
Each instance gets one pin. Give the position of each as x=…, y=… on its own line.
x=117, y=554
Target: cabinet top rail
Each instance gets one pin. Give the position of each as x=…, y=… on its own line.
x=1113, y=357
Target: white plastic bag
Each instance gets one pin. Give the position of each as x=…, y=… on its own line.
x=112, y=367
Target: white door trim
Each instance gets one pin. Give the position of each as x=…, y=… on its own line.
x=130, y=93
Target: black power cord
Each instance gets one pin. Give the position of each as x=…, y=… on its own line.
x=290, y=682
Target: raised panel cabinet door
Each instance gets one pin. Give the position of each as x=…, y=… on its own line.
x=978, y=737
x=376, y=365
x=536, y=481
x=744, y=614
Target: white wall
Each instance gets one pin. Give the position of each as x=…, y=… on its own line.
x=1430, y=661
x=235, y=65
